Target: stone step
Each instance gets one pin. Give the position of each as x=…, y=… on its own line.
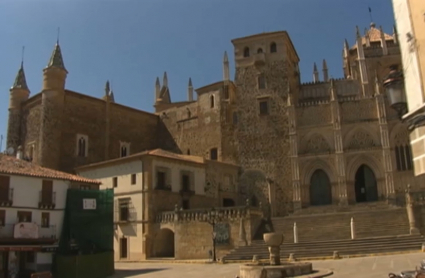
x=321, y=249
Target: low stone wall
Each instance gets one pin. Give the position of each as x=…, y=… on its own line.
x=193, y=230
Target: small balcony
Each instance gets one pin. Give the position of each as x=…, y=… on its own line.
x=6, y=197
x=27, y=231
x=47, y=199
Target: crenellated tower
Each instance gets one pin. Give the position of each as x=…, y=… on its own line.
x=266, y=67
x=19, y=93
x=53, y=95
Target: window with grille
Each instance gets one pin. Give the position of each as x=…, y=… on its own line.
x=403, y=156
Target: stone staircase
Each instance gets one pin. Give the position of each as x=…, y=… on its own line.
x=369, y=222
x=326, y=248
x=379, y=228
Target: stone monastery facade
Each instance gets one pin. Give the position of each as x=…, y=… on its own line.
x=330, y=141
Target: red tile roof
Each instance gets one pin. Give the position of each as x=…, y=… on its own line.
x=10, y=165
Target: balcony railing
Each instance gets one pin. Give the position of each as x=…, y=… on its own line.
x=7, y=231
x=6, y=197
x=47, y=199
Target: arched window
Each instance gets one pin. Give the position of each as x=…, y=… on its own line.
x=82, y=147
x=212, y=102
x=273, y=47
x=246, y=52
x=259, y=50
x=123, y=151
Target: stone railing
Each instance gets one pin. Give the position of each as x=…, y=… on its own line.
x=227, y=213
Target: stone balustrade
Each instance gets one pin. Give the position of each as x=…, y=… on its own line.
x=227, y=213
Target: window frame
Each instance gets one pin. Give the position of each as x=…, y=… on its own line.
x=82, y=151
x=266, y=102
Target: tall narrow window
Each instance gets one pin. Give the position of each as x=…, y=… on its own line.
x=5, y=188
x=403, y=157
x=185, y=182
x=212, y=102
x=261, y=81
x=82, y=145
x=264, y=107
x=226, y=92
x=246, y=52
x=214, y=154
x=188, y=152
x=273, y=47
x=115, y=182
x=133, y=179
x=124, y=149
x=2, y=217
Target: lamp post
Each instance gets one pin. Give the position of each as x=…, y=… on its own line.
x=212, y=217
x=394, y=88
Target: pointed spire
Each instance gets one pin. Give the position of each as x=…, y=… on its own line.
x=395, y=34
x=358, y=33
x=20, y=80
x=190, y=90
x=226, y=71
x=367, y=38
x=315, y=73
x=383, y=42
x=157, y=88
x=165, y=80
x=325, y=71
x=346, y=48
x=107, y=88
x=225, y=58
x=111, y=96
x=56, y=59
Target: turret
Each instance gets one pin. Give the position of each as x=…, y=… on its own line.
x=52, y=112
x=361, y=61
x=19, y=93
x=315, y=73
x=226, y=73
x=395, y=35
x=157, y=88
x=54, y=75
x=190, y=91
x=163, y=95
x=325, y=71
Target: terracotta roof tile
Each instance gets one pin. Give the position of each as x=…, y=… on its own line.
x=374, y=36
x=12, y=166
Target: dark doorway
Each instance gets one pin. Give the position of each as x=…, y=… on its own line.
x=227, y=202
x=164, y=244
x=123, y=248
x=365, y=185
x=320, y=189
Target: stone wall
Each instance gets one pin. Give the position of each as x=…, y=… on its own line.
x=188, y=225
x=262, y=140
x=31, y=125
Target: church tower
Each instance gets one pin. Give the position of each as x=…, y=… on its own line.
x=53, y=95
x=266, y=69
x=19, y=93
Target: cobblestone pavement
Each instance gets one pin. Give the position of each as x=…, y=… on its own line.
x=366, y=267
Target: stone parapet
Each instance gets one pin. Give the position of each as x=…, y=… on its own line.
x=230, y=213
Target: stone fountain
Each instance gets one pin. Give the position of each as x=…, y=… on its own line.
x=275, y=268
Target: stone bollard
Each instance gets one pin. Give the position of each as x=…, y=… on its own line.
x=255, y=259
x=292, y=257
x=423, y=247
x=353, y=230
x=336, y=255
x=295, y=233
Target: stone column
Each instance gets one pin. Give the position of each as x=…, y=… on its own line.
x=242, y=233
x=339, y=150
x=411, y=213
x=293, y=153
x=385, y=142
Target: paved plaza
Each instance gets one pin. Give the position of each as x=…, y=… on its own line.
x=366, y=267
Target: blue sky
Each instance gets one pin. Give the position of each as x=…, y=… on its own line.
x=131, y=42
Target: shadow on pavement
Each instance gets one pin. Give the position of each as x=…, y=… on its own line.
x=121, y=273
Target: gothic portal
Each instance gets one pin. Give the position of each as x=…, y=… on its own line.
x=320, y=189
x=365, y=185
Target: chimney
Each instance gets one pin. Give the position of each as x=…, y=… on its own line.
x=19, y=154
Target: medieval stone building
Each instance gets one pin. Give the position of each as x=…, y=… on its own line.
x=330, y=141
